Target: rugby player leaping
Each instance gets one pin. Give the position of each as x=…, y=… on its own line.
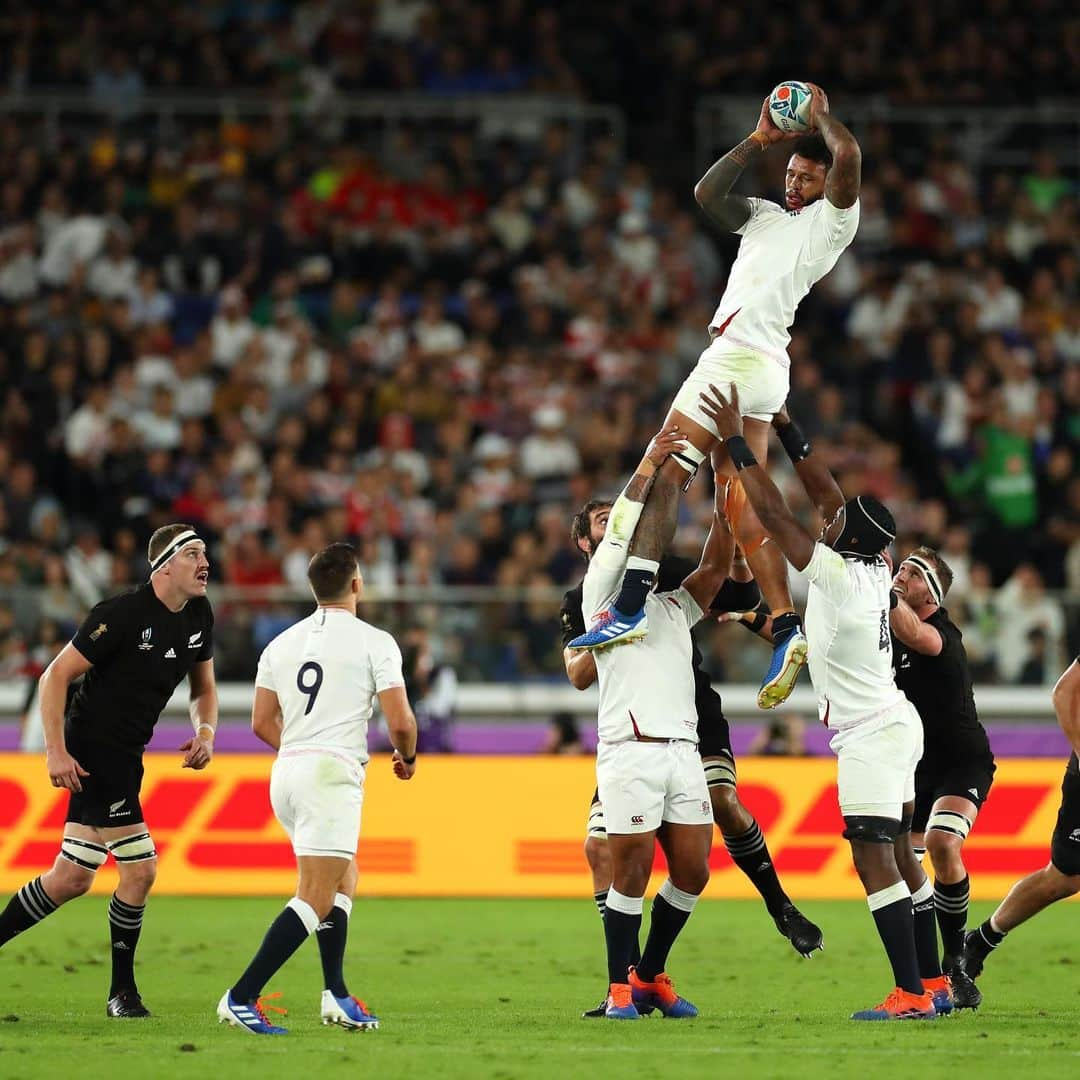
x=782, y=254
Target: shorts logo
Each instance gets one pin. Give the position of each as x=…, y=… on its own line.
x=705, y=807
x=146, y=644
x=114, y=808
x=637, y=819
x=195, y=640
x=1074, y=836
x=171, y=654
x=95, y=634
x=973, y=791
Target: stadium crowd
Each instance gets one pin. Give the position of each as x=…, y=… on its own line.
x=441, y=349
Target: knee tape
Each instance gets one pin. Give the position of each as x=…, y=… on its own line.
x=950, y=821
x=690, y=458
x=84, y=853
x=720, y=770
x=132, y=849
x=871, y=830
x=597, y=826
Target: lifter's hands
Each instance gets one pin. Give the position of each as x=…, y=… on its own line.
x=64, y=770
x=403, y=770
x=768, y=130
x=664, y=443
x=199, y=753
x=724, y=413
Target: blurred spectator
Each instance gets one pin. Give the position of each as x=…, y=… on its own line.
x=562, y=736
x=431, y=687
x=783, y=736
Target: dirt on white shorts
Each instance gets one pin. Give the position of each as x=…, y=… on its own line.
x=762, y=382
x=875, y=762
x=317, y=796
x=642, y=784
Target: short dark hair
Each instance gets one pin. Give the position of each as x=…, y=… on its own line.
x=581, y=525
x=162, y=538
x=331, y=570
x=942, y=568
x=813, y=147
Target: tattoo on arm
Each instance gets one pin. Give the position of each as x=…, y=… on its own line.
x=845, y=176
x=713, y=189
x=658, y=520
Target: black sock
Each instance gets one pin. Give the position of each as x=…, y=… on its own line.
x=600, y=899
x=926, y=945
x=636, y=585
x=28, y=906
x=896, y=926
x=951, y=904
x=332, y=935
x=750, y=854
x=125, y=925
x=782, y=625
x=664, y=927
x=621, y=933
x=991, y=937
x=286, y=934
x=601, y=905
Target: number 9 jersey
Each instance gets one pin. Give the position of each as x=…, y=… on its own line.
x=326, y=670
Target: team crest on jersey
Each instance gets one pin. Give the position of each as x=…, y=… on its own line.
x=146, y=643
x=95, y=634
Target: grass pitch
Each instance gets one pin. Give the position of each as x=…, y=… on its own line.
x=473, y=988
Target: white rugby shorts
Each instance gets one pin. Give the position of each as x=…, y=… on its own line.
x=762, y=382
x=642, y=784
x=317, y=796
x=875, y=762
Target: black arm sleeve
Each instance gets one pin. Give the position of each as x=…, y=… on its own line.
x=571, y=621
x=736, y=596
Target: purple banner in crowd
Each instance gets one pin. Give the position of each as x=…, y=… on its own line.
x=1008, y=740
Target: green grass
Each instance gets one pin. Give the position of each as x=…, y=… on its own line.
x=472, y=988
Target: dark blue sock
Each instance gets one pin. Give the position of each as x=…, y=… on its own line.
x=636, y=585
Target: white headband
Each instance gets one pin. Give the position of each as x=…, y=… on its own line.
x=174, y=548
x=933, y=582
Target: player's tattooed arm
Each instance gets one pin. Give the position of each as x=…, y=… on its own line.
x=713, y=191
x=845, y=175
x=913, y=632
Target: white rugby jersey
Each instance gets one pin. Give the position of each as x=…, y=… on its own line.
x=326, y=671
x=782, y=254
x=847, y=634
x=647, y=686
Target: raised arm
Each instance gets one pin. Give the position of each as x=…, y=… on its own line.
x=776, y=519
x=712, y=571
x=713, y=190
x=820, y=484
x=607, y=565
x=845, y=176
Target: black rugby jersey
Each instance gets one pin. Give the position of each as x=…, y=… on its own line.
x=674, y=570
x=140, y=651
x=940, y=688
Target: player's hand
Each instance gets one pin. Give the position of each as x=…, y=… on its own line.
x=723, y=412
x=64, y=770
x=781, y=418
x=664, y=443
x=198, y=753
x=403, y=770
x=819, y=103
x=769, y=130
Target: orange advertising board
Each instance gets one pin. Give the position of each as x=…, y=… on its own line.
x=492, y=826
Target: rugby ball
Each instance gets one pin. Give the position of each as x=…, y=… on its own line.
x=789, y=106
